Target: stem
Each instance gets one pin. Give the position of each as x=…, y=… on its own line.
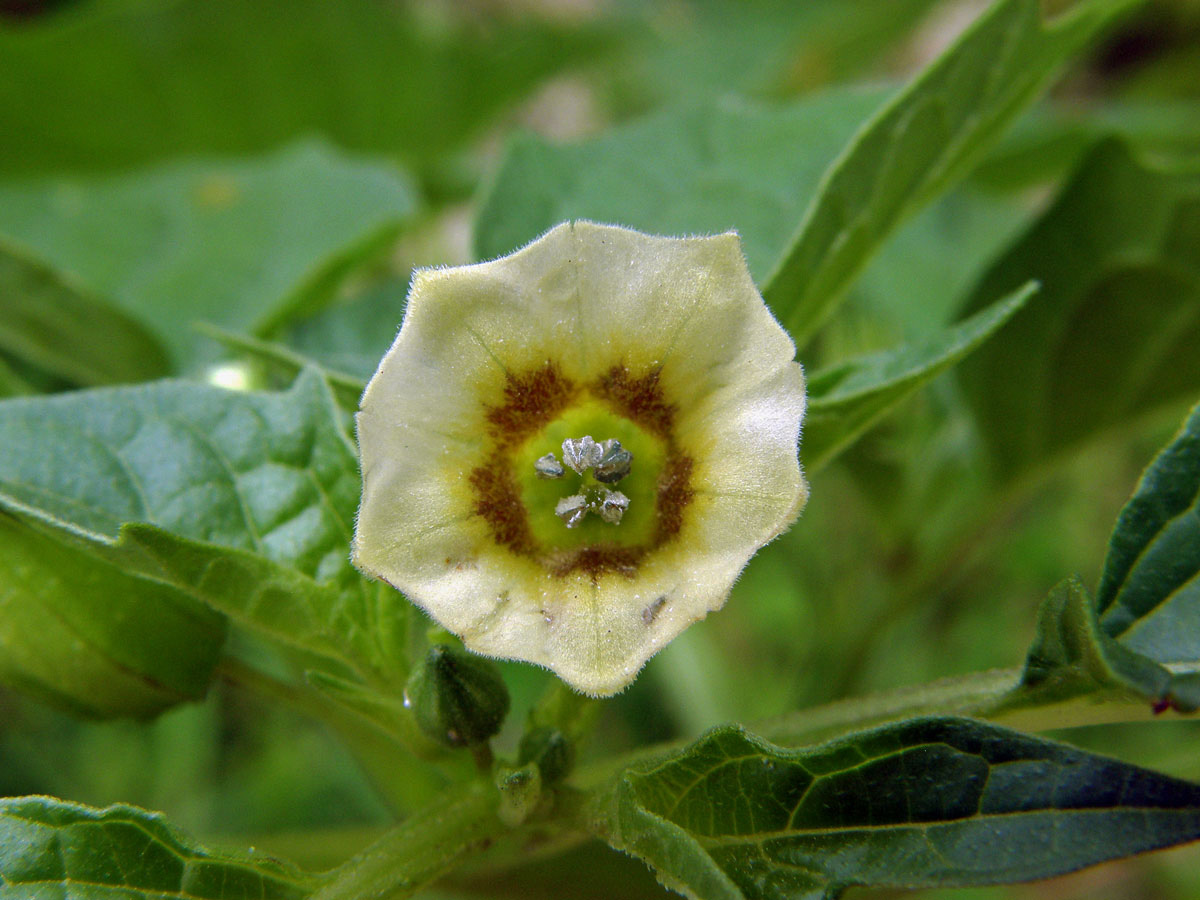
x=484, y=758
x=983, y=695
x=419, y=849
x=235, y=672
x=402, y=788
x=960, y=695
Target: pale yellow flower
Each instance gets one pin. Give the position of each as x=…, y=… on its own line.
x=498, y=492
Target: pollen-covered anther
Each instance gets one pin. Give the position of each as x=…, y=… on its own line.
x=549, y=467
x=615, y=462
x=611, y=506
x=581, y=454
x=572, y=510
x=608, y=505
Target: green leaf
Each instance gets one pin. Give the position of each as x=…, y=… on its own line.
x=48, y=323
x=243, y=244
x=1073, y=657
x=937, y=802
x=703, y=169
x=1113, y=335
x=846, y=399
x=243, y=501
x=383, y=711
x=82, y=634
x=920, y=143
x=345, y=340
x=115, y=85
x=50, y=848
x=1149, y=594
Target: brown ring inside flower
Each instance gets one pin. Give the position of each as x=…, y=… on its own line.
x=534, y=399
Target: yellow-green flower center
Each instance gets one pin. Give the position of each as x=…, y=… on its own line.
x=592, y=502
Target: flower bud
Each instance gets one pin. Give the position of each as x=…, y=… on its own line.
x=550, y=750
x=520, y=790
x=459, y=699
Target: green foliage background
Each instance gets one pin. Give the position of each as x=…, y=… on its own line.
x=188, y=186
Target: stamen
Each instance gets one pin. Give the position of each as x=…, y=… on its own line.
x=548, y=466
x=612, y=506
x=608, y=462
x=582, y=453
x=614, y=464
x=572, y=510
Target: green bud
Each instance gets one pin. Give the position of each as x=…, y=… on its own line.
x=520, y=790
x=459, y=699
x=548, y=749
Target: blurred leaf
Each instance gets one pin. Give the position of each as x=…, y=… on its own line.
x=244, y=244
x=82, y=634
x=50, y=848
x=282, y=361
x=353, y=336
x=1149, y=594
x=700, y=170
x=924, y=803
x=52, y=325
x=919, y=143
x=708, y=48
x=541, y=877
x=245, y=501
x=12, y=382
x=915, y=282
x=847, y=398
x=1049, y=142
x=108, y=86
x=1113, y=336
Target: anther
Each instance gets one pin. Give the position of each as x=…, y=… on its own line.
x=612, y=506
x=582, y=453
x=608, y=462
x=614, y=464
x=572, y=510
x=549, y=467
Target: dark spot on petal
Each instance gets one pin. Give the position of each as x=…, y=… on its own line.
x=535, y=399
x=674, y=494
x=597, y=560
x=650, y=613
x=498, y=500
x=639, y=399
x=531, y=401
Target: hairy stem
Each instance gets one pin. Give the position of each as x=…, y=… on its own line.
x=420, y=849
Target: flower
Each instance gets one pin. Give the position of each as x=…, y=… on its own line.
x=569, y=453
